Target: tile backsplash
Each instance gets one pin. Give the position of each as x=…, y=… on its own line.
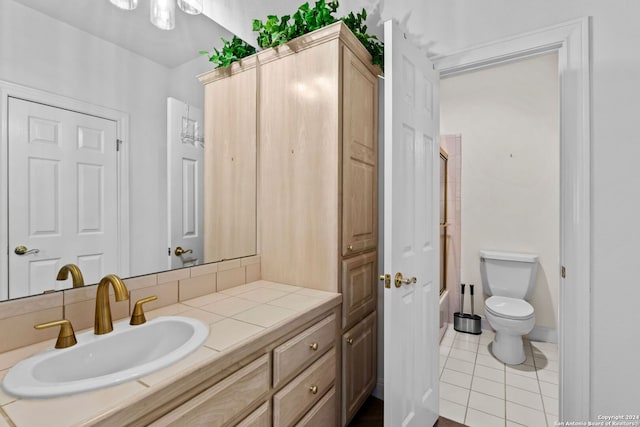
x=17, y=317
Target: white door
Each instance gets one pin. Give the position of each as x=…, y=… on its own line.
x=411, y=247
x=63, y=196
x=185, y=154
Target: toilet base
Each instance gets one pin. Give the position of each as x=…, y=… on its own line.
x=508, y=348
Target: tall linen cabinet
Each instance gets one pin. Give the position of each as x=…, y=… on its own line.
x=316, y=103
x=318, y=109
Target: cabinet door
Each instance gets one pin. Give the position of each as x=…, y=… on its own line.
x=358, y=287
x=358, y=366
x=359, y=145
x=230, y=171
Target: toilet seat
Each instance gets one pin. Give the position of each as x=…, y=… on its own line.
x=509, y=308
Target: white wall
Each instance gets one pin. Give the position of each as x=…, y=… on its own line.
x=509, y=120
x=615, y=269
x=445, y=26
x=40, y=52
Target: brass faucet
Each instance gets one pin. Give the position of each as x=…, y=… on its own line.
x=103, y=323
x=76, y=275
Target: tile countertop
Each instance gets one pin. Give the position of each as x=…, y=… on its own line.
x=236, y=318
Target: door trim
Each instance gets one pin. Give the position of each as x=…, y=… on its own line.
x=8, y=89
x=572, y=42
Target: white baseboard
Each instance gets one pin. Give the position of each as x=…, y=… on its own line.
x=544, y=334
x=378, y=392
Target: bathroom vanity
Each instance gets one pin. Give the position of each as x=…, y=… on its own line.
x=275, y=363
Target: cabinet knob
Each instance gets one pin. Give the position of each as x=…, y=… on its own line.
x=313, y=389
x=350, y=341
x=350, y=248
x=314, y=346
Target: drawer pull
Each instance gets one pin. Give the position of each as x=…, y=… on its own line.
x=314, y=346
x=349, y=341
x=313, y=389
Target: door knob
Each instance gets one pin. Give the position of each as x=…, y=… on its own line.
x=399, y=280
x=179, y=251
x=22, y=250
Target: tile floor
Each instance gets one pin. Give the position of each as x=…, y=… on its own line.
x=478, y=390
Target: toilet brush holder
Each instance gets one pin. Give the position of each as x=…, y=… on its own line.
x=465, y=322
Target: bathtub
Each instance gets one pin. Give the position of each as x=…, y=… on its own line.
x=444, y=313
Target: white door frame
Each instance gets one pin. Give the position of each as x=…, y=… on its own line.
x=571, y=41
x=8, y=89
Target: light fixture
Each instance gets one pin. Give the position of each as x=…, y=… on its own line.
x=192, y=7
x=162, y=13
x=125, y=4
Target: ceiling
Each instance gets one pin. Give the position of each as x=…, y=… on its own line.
x=133, y=31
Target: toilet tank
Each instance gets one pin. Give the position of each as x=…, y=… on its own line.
x=508, y=274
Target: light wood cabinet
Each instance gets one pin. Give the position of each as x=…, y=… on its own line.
x=301, y=350
x=316, y=130
x=297, y=397
x=359, y=171
x=305, y=396
x=359, y=365
x=318, y=110
x=323, y=414
x=261, y=417
x=230, y=162
x=225, y=400
x=359, y=296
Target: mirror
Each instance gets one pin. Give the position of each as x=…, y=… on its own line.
x=113, y=76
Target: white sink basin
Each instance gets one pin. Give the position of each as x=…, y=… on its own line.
x=98, y=361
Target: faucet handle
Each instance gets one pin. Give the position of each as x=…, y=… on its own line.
x=137, y=318
x=66, y=337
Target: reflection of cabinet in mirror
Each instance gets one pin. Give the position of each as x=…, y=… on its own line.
x=230, y=162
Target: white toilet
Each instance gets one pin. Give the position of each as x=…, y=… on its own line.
x=509, y=279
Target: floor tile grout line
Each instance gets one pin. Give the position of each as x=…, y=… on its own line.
x=505, y=385
x=544, y=411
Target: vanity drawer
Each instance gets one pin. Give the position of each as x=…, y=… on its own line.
x=359, y=287
x=324, y=414
x=295, y=399
x=223, y=401
x=261, y=417
x=297, y=353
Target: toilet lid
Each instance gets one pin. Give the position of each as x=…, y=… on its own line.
x=512, y=308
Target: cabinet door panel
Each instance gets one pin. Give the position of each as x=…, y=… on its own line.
x=261, y=417
x=359, y=139
x=230, y=171
x=323, y=414
x=225, y=400
x=297, y=353
x=297, y=397
x=358, y=366
x=358, y=287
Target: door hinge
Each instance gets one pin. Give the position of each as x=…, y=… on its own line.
x=118, y=143
x=169, y=251
x=563, y=272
